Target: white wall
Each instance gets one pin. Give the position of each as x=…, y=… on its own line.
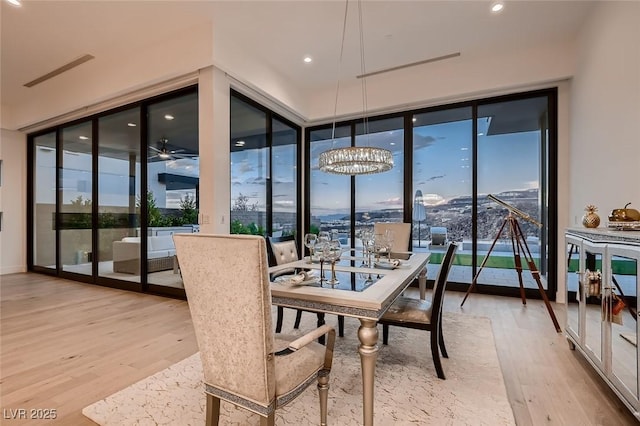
x=105, y=78
x=462, y=78
x=13, y=202
x=605, y=112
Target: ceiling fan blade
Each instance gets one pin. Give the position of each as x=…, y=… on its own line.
x=154, y=148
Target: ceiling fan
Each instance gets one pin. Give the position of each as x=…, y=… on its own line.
x=165, y=153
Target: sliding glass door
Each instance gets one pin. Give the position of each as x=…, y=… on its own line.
x=118, y=195
x=448, y=161
x=442, y=186
x=44, y=201
x=511, y=165
x=76, y=198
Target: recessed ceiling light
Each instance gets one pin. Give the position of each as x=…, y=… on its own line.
x=308, y=59
x=239, y=143
x=15, y=2
x=414, y=119
x=392, y=143
x=131, y=124
x=497, y=6
x=84, y=138
x=168, y=117
x=480, y=134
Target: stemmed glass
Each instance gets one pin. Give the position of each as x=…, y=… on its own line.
x=324, y=237
x=367, y=245
x=390, y=237
x=310, y=241
x=321, y=249
x=332, y=253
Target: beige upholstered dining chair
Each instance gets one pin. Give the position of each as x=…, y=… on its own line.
x=401, y=231
x=420, y=314
x=227, y=285
x=284, y=250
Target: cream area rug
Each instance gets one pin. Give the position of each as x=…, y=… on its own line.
x=407, y=390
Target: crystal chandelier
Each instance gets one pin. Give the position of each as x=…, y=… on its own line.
x=354, y=160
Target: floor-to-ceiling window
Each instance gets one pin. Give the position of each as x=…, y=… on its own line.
x=264, y=151
x=443, y=185
x=511, y=166
x=457, y=156
x=107, y=193
x=76, y=198
x=43, y=205
x=172, y=183
x=119, y=188
x=329, y=194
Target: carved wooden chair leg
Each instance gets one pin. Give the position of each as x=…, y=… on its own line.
x=385, y=334
x=340, y=325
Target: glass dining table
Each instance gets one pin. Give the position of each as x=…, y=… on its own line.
x=364, y=291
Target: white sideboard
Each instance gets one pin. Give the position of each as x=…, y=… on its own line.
x=607, y=339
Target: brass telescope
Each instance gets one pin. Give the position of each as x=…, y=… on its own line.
x=514, y=210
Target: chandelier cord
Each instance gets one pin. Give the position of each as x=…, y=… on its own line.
x=363, y=72
x=335, y=105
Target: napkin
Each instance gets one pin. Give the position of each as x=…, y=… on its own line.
x=302, y=277
x=387, y=264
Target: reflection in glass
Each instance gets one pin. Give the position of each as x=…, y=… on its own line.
x=593, y=323
x=173, y=170
x=44, y=195
x=624, y=353
x=442, y=172
x=119, y=189
x=379, y=197
x=510, y=137
x=284, y=182
x=573, y=293
x=330, y=195
x=249, y=168
x=75, y=186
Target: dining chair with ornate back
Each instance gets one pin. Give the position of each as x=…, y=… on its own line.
x=284, y=250
x=228, y=291
x=420, y=314
x=401, y=231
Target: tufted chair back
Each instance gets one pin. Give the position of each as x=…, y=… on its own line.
x=402, y=234
x=283, y=249
x=225, y=278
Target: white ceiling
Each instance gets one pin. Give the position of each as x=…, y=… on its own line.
x=43, y=35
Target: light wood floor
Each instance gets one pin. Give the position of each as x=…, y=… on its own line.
x=65, y=345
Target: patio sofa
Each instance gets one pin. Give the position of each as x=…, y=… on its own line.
x=160, y=254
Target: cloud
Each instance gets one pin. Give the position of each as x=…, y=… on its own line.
x=435, y=177
x=256, y=181
x=433, y=199
x=284, y=203
x=245, y=167
x=395, y=201
x=421, y=142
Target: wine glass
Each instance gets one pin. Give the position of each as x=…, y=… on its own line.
x=310, y=241
x=366, y=235
x=321, y=249
x=390, y=237
x=324, y=236
x=333, y=251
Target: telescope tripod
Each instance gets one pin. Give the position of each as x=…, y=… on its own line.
x=520, y=249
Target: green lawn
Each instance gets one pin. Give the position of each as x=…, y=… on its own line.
x=620, y=267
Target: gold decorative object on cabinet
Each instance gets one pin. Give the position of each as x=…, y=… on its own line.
x=591, y=218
